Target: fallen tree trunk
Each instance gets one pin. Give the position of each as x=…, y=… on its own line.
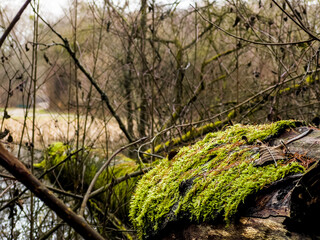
x=245, y=228
x=216, y=190
x=287, y=209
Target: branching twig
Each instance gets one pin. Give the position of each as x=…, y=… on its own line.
x=103, y=95
x=254, y=42
x=299, y=24
x=60, y=163
x=261, y=93
x=119, y=180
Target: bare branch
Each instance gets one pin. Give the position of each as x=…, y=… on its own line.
x=21, y=173
x=103, y=95
x=254, y=42
x=13, y=23
x=95, y=178
x=119, y=180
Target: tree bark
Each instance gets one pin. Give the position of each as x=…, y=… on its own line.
x=128, y=80
x=143, y=116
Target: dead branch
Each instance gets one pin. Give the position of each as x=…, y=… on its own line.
x=13, y=22
x=21, y=173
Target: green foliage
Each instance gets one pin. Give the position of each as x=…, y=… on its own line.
x=208, y=179
x=69, y=173
x=309, y=79
x=231, y=114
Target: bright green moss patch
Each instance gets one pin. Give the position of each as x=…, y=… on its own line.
x=208, y=179
x=309, y=79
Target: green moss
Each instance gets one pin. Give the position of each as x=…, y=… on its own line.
x=53, y=155
x=309, y=79
x=174, y=115
x=75, y=175
x=285, y=90
x=206, y=180
x=302, y=46
x=232, y=114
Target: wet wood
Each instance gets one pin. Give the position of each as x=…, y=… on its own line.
x=246, y=228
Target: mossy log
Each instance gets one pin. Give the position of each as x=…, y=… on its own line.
x=255, y=104
x=287, y=209
x=213, y=190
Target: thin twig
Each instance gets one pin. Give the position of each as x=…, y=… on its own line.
x=254, y=42
x=298, y=24
x=275, y=161
x=119, y=180
x=17, y=169
x=93, y=81
x=60, y=163
x=41, y=176
x=104, y=166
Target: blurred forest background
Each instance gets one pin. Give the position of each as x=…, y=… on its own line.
x=105, y=74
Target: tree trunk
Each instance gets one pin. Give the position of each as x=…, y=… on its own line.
x=127, y=88
x=143, y=78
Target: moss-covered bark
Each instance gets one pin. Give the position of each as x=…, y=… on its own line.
x=207, y=180
x=189, y=136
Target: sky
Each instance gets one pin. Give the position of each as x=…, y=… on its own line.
x=55, y=7
x=53, y=10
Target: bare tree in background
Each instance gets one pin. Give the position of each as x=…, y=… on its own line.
x=104, y=75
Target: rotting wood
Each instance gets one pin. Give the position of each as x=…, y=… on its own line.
x=287, y=209
x=268, y=154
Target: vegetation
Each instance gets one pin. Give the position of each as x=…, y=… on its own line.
x=208, y=179
x=60, y=159
x=81, y=90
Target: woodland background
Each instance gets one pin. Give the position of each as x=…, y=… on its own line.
x=105, y=75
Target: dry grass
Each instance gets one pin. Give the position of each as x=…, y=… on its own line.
x=52, y=127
